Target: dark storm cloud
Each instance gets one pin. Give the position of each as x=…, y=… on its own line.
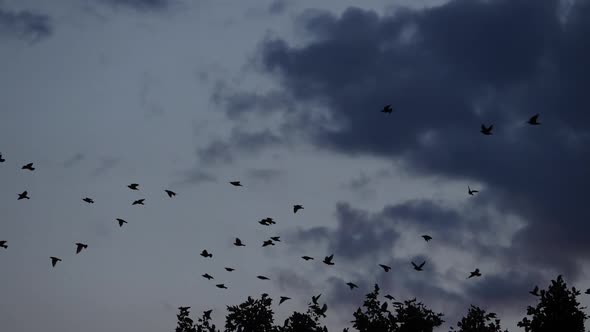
x=26, y=25
x=141, y=4
x=277, y=6
x=446, y=70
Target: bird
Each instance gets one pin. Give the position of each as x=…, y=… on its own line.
x=229, y=269
x=221, y=286
x=475, y=273
x=267, y=221
x=207, y=314
x=276, y=238
x=385, y=267
x=586, y=292
x=351, y=285
x=204, y=253
x=138, y=202
x=418, y=267
x=183, y=308
x=121, y=222
x=207, y=276
x=170, y=193
x=297, y=207
x=328, y=260
x=23, y=195
x=133, y=186
x=427, y=237
x=2, y=159
x=471, y=191
x=314, y=299
x=236, y=183
x=239, y=243
x=268, y=243
x=321, y=311
x=80, y=246
x=387, y=109
x=307, y=258
x=535, y=291
x=486, y=130
x=3, y=244
x=389, y=297
x=88, y=200
x=262, y=278
x=384, y=306
x=54, y=260
x=28, y=166
x=534, y=120
x=283, y=299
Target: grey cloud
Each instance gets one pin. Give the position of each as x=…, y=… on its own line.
x=221, y=151
x=26, y=25
x=264, y=174
x=141, y=4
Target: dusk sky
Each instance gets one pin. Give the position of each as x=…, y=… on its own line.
x=286, y=97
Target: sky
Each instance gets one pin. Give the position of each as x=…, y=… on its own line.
x=285, y=96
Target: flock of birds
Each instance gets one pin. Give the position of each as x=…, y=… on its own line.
x=328, y=260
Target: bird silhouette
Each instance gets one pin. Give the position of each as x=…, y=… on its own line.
x=471, y=191
x=427, y=237
x=418, y=267
x=138, y=202
x=307, y=258
x=475, y=273
x=170, y=193
x=183, y=308
x=283, y=299
x=133, y=186
x=29, y=167
x=121, y=222
x=2, y=159
x=315, y=299
x=207, y=314
x=387, y=109
x=487, y=130
x=23, y=195
x=54, y=260
x=321, y=311
x=586, y=292
x=3, y=244
x=204, y=253
x=80, y=246
x=352, y=285
x=389, y=297
x=207, y=276
x=534, y=120
x=276, y=238
x=535, y=291
x=262, y=278
x=229, y=269
x=236, y=183
x=88, y=200
x=267, y=221
x=221, y=286
x=328, y=260
x=385, y=267
x=238, y=243
x=297, y=207
x=267, y=243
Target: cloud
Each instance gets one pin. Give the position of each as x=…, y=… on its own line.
x=446, y=70
x=149, y=5
x=26, y=25
x=221, y=151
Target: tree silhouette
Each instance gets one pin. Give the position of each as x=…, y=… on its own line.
x=413, y=316
x=305, y=322
x=477, y=320
x=251, y=316
x=185, y=323
x=375, y=317
x=557, y=310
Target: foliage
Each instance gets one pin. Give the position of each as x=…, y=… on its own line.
x=375, y=317
x=477, y=320
x=305, y=322
x=251, y=316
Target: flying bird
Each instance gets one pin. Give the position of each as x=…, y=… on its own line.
x=297, y=207
x=387, y=109
x=88, y=200
x=418, y=267
x=475, y=273
x=121, y=222
x=268, y=243
x=138, y=202
x=204, y=253
x=133, y=186
x=283, y=299
x=389, y=297
x=23, y=195
x=221, y=286
x=486, y=130
x=385, y=267
x=276, y=238
x=321, y=311
x=238, y=243
x=427, y=237
x=80, y=246
x=207, y=276
x=328, y=260
x=471, y=191
x=351, y=285
x=3, y=244
x=262, y=278
x=170, y=193
x=29, y=166
x=54, y=260
x=535, y=291
x=207, y=314
x=183, y=308
x=2, y=159
x=534, y=120
x=229, y=269
x=307, y=258
x=267, y=221
x=236, y=183
x=587, y=291
x=315, y=299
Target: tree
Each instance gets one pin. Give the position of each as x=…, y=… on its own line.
x=251, y=316
x=375, y=317
x=413, y=316
x=185, y=323
x=305, y=322
x=557, y=310
x=477, y=320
